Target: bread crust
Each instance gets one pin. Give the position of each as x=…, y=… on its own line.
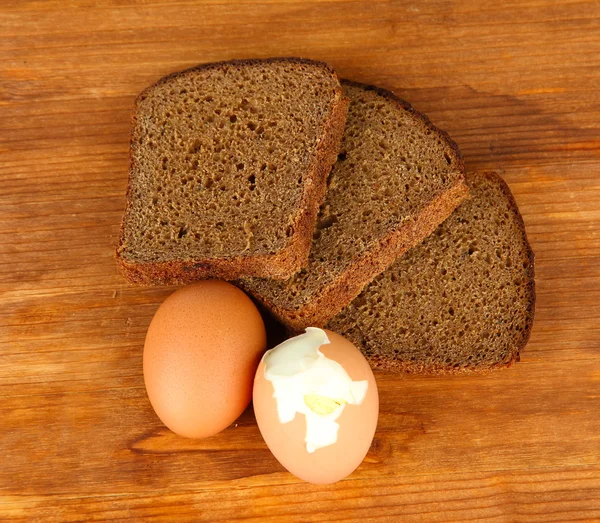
x=381, y=253
x=281, y=265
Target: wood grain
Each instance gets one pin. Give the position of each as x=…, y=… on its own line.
x=514, y=83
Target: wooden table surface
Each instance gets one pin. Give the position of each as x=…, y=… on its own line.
x=515, y=84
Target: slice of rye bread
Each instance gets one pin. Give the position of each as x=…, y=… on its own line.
x=461, y=301
x=229, y=163
x=396, y=179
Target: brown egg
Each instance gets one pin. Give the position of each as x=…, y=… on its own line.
x=200, y=355
x=357, y=423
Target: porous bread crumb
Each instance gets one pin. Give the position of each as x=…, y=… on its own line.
x=224, y=149
x=463, y=300
x=396, y=178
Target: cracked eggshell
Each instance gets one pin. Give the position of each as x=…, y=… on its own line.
x=200, y=356
x=357, y=422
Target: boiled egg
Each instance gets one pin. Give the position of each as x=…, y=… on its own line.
x=316, y=404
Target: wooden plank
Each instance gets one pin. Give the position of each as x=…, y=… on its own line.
x=514, y=83
x=539, y=495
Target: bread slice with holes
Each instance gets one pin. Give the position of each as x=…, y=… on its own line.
x=229, y=163
x=397, y=177
x=461, y=301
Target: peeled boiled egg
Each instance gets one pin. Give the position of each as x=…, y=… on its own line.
x=316, y=404
x=200, y=356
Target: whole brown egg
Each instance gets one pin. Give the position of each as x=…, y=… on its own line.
x=200, y=356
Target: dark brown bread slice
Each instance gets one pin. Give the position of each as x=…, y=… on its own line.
x=463, y=300
x=229, y=163
x=397, y=177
